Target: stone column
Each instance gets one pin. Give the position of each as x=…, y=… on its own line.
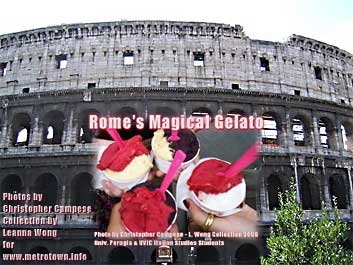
x=220, y=109
x=290, y=140
x=282, y=134
x=350, y=180
x=36, y=133
x=68, y=137
x=296, y=177
x=338, y=139
x=324, y=187
x=317, y=142
x=73, y=132
x=263, y=200
x=4, y=132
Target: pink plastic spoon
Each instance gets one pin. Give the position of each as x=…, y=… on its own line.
x=245, y=160
x=116, y=137
x=179, y=158
x=174, y=137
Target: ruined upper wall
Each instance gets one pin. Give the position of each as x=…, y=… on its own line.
x=166, y=54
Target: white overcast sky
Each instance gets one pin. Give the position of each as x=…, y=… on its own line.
x=330, y=21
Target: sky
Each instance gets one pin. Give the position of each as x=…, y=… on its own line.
x=329, y=21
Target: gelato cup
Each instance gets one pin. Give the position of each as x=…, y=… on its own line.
x=143, y=209
x=163, y=150
x=226, y=201
x=125, y=167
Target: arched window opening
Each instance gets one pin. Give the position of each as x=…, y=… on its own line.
x=22, y=137
x=11, y=184
x=21, y=127
x=236, y=112
x=207, y=255
x=84, y=133
x=53, y=127
x=121, y=255
x=82, y=192
x=201, y=112
x=128, y=133
x=337, y=190
x=48, y=186
x=165, y=111
x=270, y=131
x=274, y=187
x=247, y=254
x=310, y=193
x=50, y=134
x=298, y=132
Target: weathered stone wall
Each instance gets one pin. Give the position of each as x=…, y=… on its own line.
x=164, y=51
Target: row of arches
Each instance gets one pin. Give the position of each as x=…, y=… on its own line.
x=310, y=191
x=245, y=254
x=81, y=190
x=303, y=133
x=302, y=129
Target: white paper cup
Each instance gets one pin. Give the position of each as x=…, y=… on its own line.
x=168, y=194
x=183, y=192
x=100, y=175
x=163, y=165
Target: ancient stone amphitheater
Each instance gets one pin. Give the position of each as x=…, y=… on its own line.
x=51, y=78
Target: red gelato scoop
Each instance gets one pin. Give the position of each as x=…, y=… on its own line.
x=204, y=178
x=117, y=159
x=143, y=210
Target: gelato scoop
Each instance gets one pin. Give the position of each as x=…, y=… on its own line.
x=204, y=178
x=127, y=163
x=143, y=209
x=216, y=193
x=164, y=149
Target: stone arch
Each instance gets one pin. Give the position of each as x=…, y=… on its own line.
x=46, y=184
x=165, y=111
x=154, y=256
x=272, y=128
x=201, y=111
x=207, y=255
x=274, y=187
x=310, y=192
x=337, y=188
x=128, y=112
x=84, y=134
x=82, y=192
x=79, y=249
x=346, y=130
x=53, y=127
x=39, y=249
x=301, y=128
x=326, y=133
x=348, y=245
x=21, y=128
x=247, y=254
x=237, y=111
x=12, y=183
x=121, y=255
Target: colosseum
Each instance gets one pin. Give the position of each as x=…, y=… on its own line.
x=52, y=78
